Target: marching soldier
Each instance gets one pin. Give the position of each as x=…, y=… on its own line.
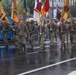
x=6, y=28
x=72, y=30
x=42, y=36
x=67, y=31
x=62, y=30
x=31, y=31
x=22, y=36
x=15, y=36
x=52, y=29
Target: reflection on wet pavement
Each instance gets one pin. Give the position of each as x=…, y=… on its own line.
x=12, y=64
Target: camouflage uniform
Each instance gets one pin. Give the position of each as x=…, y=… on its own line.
x=62, y=30
x=31, y=34
x=6, y=29
x=72, y=30
x=67, y=32
x=15, y=36
x=42, y=37
x=52, y=28
x=22, y=37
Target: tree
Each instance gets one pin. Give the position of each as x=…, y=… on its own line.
x=7, y=8
x=73, y=10
x=0, y=0
x=20, y=6
x=30, y=4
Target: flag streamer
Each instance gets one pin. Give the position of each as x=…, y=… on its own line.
x=45, y=8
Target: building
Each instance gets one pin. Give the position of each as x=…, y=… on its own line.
x=60, y=2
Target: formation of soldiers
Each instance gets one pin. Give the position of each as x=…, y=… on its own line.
x=30, y=31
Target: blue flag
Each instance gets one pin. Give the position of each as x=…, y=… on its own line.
x=58, y=13
x=25, y=6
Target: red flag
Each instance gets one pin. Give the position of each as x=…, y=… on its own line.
x=38, y=6
x=46, y=7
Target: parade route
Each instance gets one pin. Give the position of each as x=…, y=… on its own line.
x=48, y=66
x=72, y=73
x=53, y=61
x=37, y=37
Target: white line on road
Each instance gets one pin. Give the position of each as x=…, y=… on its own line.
x=48, y=66
x=72, y=73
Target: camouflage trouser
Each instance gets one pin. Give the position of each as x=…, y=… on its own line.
x=42, y=41
x=31, y=39
x=71, y=38
x=17, y=42
x=62, y=38
x=22, y=43
x=51, y=38
x=6, y=42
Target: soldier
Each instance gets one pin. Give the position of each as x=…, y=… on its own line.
x=6, y=28
x=31, y=32
x=52, y=29
x=15, y=36
x=22, y=36
x=47, y=24
x=42, y=35
x=72, y=30
x=62, y=30
x=67, y=31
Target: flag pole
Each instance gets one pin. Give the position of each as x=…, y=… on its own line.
x=40, y=24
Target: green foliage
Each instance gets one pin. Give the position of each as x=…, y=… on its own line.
x=20, y=7
x=73, y=10
x=30, y=4
x=0, y=0
x=7, y=8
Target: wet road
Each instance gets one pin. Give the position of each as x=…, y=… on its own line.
x=13, y=64
x=63, y=69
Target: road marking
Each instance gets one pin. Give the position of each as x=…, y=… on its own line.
x=72, y=73
x=48, y=66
